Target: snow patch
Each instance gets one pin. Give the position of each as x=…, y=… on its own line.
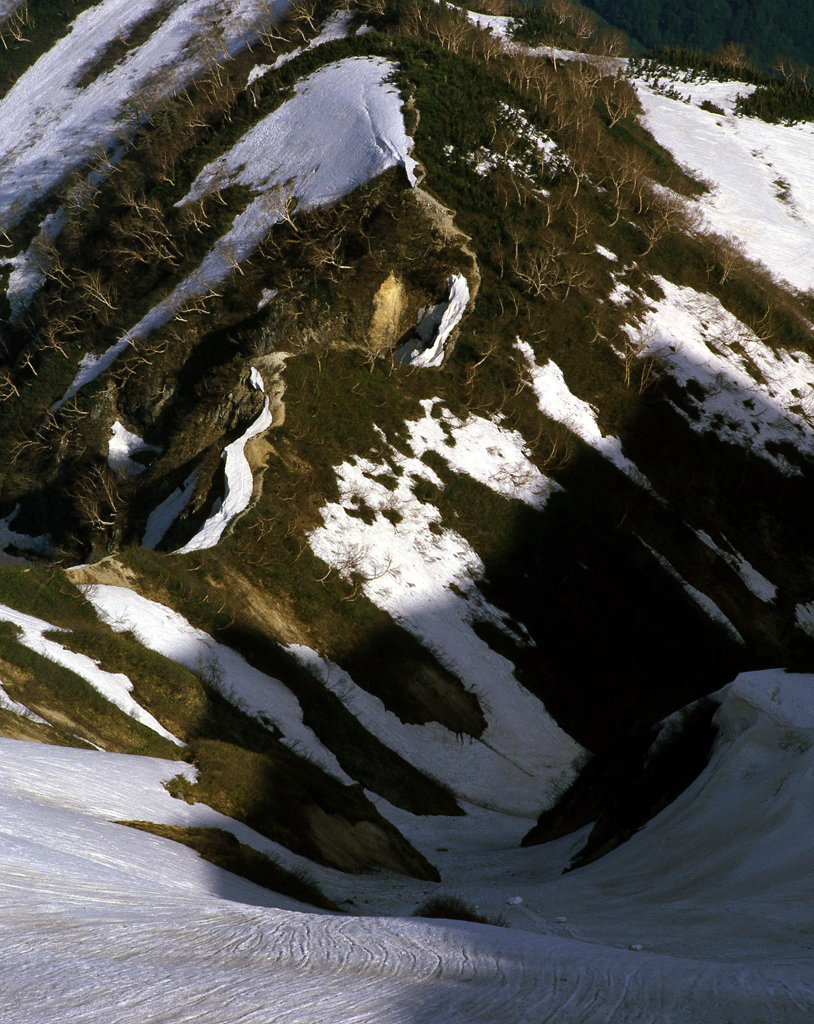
x=435, y=327
x=490, y=453
x=424, y=575
x=7, y=704
x=164, y=515
x=113, y=686
x=701, y=599
x=804, y=617
x=163, y=630
x=121, y=448
x=739, y=388
x=337, y=26
x=762, y=588
x=556, y=400
x=239, y=481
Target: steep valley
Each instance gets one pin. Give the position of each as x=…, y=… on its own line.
x=407, y=588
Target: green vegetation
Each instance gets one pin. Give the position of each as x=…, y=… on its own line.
x=224, y=850
x=764, y=28
x=453, y=908
x=781, y=102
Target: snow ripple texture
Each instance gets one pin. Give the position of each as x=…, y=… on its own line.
x=704, y=915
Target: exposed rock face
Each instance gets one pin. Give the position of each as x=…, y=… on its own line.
x=389, y=320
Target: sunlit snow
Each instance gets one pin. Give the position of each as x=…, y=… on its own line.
x=740, y=388
x=436, y=326
x=238, y=483
x=752, y=579
x=121, y=448
x=164, y=630
x=424, y=574
x=702, y=600
x=114, y=686
x=49, y=126
x=761, y=175
x=558, y=402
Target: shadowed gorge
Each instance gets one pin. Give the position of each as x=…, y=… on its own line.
x=408, y=420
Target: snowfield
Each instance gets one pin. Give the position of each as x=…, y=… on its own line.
x=761, y=175
x=704, y=915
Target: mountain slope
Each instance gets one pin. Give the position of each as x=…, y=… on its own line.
x=764, y=27
x=404, y=424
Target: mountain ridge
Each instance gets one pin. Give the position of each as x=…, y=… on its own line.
x=402, y=430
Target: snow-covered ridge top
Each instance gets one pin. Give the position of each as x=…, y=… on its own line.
x=342, y=127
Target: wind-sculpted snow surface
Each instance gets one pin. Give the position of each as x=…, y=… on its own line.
x=761, y=175
x=705, y=915
x=342, y=127
x=739, y=388
x=424, y=574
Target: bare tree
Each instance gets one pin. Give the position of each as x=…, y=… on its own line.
x=560, y=10
x=302, y=18
x=451, y=28
x=619, y=98
x=733, y=55
x=96, y=497
x=12, y=27
x=667, y=212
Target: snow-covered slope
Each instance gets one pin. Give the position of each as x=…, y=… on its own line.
x=760, y=175
x=700, y=917
x=423, y=452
